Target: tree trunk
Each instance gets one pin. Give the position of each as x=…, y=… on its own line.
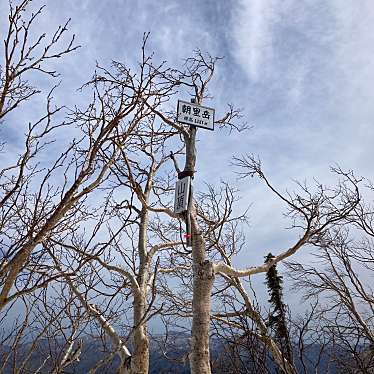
x=140, y=356
x=203, y=278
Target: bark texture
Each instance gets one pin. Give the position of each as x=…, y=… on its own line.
x=140, y=356
x=203, y=279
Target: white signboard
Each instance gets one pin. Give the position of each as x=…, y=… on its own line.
x=182, y=191
x=197, y=115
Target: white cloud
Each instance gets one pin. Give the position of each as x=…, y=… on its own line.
x=307, y=87
x=253, y=33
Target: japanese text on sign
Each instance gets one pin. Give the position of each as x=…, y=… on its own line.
x=193, y=114
x=182, y=190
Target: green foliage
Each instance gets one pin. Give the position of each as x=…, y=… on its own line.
x=277, y=319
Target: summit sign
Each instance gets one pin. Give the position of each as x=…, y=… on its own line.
x=195, y=115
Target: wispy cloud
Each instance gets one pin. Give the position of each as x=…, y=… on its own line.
x=302, y=70
x=253, y=23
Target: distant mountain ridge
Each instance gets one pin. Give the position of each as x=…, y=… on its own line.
x=173, y=359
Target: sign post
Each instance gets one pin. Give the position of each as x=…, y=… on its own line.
x=182, y=193
x=196, y=116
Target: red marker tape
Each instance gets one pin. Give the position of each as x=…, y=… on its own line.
x=187, y=236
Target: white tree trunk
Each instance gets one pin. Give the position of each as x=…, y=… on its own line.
x=203, y=278
x=140, y=356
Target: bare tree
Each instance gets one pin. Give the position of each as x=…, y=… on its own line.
x=98, y=220
x=312, y=348
x=339, y=280
x=32, y=208
x=312, y=214
x=45, y=334
x=35, y=216
x=123, y=259
x=26, y=52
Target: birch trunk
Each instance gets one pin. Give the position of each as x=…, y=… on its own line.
x=203, y=278
x=124, y=353
x=140, y=356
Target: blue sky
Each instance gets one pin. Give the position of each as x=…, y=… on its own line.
x=302, y=70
